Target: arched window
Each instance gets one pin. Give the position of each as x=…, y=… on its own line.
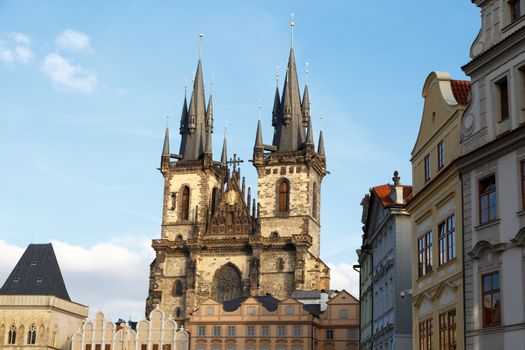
x=343, y=313
x=178, y=289
x=31, y=335
x=284, y=196
x=11, y=336
x=185, y=209
x=227, y=283
x=178, y=238
x=274, y=234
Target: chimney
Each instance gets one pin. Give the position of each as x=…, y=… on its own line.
x=324, y=299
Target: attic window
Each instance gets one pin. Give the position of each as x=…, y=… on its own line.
x=33, y=262
x=16, y=279
x=39, y=279
x=515, y=9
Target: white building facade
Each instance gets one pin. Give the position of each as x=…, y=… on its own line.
x=386, y=268
x=492, y=169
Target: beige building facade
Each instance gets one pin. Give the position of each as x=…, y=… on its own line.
x=157, y=332
x=35, y=309
x=264, y=323
x=436, y=215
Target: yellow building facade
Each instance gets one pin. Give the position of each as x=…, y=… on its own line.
x=436, y=213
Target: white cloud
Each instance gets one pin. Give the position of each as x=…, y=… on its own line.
x=343, y=276
x=68, y=75
x=73, y=40
x=110, y=276
x=15, y=47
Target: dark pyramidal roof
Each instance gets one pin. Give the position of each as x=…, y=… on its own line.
x=36, y=273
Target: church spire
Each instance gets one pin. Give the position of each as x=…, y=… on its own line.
x=209, y=125
x=166, y=146
x=193, y=133
x=310, y=134
x=289, y=130
x=320, y=149
x=305, y=105
x=183, y=124
x=224, y=155
x=258, y=135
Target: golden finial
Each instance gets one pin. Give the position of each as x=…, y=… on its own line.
x=292, y=24
x=200, y=44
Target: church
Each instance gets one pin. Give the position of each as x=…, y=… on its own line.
x=217, y=240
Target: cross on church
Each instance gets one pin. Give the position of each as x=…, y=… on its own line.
x=235, y=161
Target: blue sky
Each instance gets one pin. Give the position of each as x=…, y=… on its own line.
x=85, y=88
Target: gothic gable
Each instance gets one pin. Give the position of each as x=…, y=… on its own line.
x=231, y=211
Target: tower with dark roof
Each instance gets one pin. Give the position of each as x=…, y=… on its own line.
x=290, y=172
x=35, y=308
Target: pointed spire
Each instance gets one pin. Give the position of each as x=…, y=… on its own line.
x=224, y=156
x=209, y=115
x=290, y=133
x=258, y=135
x=320, y=149
x=194, y=137
x=305, y=105
x=166, y=147
x=208, y=148
x=310, y=134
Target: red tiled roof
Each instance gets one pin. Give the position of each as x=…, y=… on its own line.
x=383, y=193
x=461, y=90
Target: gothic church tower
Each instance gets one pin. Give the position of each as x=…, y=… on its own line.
x=216, y=241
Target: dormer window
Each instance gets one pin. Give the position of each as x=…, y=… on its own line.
x=39, y=279
x=16, y=279
x=33, y=262
x=515, y=9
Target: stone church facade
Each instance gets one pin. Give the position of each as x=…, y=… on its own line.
x=216, y=240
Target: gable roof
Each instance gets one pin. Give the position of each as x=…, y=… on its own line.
x=36, y=273
x=383, y=194
x=460, y=90
x=267, y=301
